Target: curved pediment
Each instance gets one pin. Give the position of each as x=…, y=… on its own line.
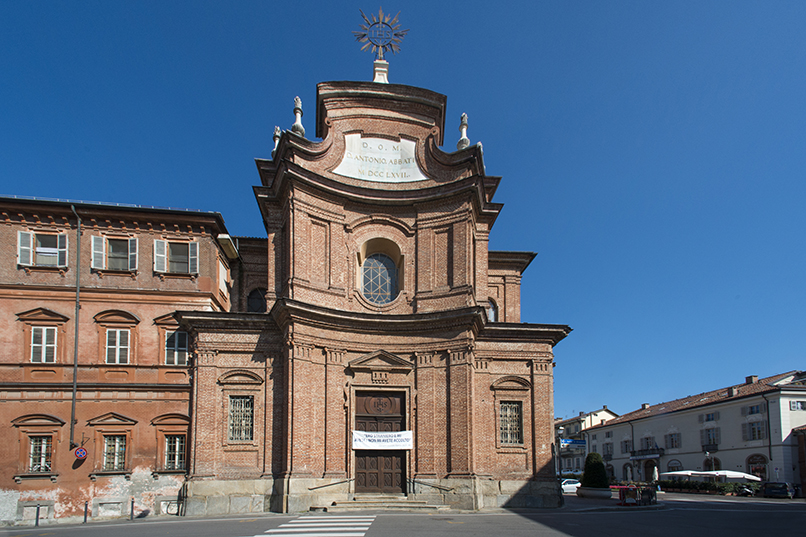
x=240, y=376
x=111, y=418
x=380, y=219
x=116, y=316
x=171, y=419
x=380, y=361
x=42, y=315
x=511, y=383
x=37, y=419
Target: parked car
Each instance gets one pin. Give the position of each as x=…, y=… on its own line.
x=778, y=490
x=570, y=485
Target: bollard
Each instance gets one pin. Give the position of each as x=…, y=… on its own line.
x=37, y=515
x=131, y=515
x=85, y=512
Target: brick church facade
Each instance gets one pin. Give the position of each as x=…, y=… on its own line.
x=373, y=305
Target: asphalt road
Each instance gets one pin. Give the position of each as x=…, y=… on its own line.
x=679, y=515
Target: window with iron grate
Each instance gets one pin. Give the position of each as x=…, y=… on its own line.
x=511, y=422
x=241, y=418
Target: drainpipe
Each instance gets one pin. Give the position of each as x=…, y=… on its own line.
x=769, y=436
x=73, y=444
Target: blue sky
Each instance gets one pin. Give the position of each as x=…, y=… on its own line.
x=652, y=153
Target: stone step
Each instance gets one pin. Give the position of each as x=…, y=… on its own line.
x=384, y=503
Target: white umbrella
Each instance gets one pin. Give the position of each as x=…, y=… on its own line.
x=680, y=473
x=728, y=474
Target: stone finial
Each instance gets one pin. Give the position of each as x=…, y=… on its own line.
x=464, y=141
x=276, y=140
x=381, y=71
x=297, y=127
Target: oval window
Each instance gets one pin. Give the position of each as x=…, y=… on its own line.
x=379, y=279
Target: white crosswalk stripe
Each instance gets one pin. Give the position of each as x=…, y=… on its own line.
x=324, y=526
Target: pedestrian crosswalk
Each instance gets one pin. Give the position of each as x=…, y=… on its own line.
x=324, y=526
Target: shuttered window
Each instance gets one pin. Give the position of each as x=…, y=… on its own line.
x=41, y=249
x=114, y=254
x=710, y=436
x=176, y=257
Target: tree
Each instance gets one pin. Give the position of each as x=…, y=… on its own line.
x=595, y=476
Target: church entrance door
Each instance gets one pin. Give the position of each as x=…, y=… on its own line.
x=379, y=471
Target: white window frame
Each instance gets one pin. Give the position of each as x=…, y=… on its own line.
x=162, y=256
x=173, y=352
x=42, y=347
x=114, y=453
x=117, y=347
x=100, y=249
x=27, y=249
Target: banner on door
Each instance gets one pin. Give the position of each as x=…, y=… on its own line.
x=396, y=440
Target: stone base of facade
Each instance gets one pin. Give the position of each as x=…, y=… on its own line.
x=298, y=494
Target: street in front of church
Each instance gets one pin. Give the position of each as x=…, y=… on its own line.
x=676, y=514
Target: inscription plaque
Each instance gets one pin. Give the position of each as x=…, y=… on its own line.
x=379, y=160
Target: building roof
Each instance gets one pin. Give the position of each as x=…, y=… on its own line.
x=582, y=415
x=752, y=386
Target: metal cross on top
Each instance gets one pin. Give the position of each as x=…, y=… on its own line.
x=380, y=34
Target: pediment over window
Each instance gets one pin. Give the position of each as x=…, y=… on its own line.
x=240, y=376
x=116, y=317
x=511, y=383
x=40, y=315
x=111, y=418
x=380, y=361
x=166, y=320
x=37, y=419
x=171, y=419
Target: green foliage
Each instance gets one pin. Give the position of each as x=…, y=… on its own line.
x=595, y=476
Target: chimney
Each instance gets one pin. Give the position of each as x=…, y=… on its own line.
x=752, y=379
x=604, y=407
x=581, y=414
x=733, y=391
x=645, y=406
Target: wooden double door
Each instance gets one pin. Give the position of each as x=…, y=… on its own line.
x=380, y=471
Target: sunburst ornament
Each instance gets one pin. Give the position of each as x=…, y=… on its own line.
x=381, y=34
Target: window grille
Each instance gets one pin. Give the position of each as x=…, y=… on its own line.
x=114, y=452
x=176, y=348
x=241, y=418
x=511, y=421
x=380, y=279
x=175, y=452
x=40, y=454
